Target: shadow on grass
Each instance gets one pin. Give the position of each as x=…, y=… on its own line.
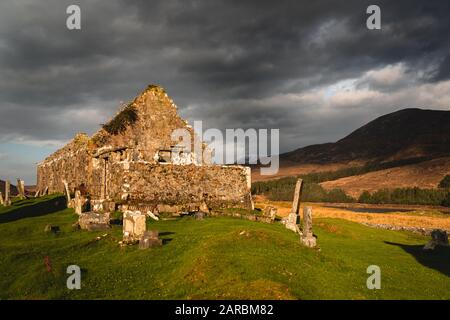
x=33, y=209
x=437, y=259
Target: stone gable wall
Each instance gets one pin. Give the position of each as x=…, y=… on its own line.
x=124, y=167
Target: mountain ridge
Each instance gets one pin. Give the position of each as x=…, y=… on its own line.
x=403, y=134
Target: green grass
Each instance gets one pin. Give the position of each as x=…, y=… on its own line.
x=211, y=259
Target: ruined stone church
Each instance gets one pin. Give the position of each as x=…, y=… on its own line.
x=133, y=162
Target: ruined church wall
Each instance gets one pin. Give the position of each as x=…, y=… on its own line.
x=71, y=163
x=180, y=187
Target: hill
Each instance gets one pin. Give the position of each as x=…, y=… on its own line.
x=424, y=175
x=404, y=134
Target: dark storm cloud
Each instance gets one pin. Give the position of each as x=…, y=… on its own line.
x=218, y=59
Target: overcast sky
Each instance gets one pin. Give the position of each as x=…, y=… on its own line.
x=310, y=68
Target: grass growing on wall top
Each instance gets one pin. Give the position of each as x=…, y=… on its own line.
x=121, y=121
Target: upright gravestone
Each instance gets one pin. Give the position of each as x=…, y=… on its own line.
x=21, y=188
x=7, y=193
x=293, y=219
x=307, y=236
x=134, y=226
x=1, y=199
x=66, y=188
x=78, y=203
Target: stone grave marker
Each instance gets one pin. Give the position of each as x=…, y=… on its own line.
x=134, y=226
x=150, y=239
x=294, y=219
x=7, y=193
x=307, y=237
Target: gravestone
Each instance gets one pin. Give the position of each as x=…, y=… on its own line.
x=78, y=202
x=307, y=237
x=21, y=188
x=270, y=212
x=37, y=193
x=134, y=226
x=150, y=239
x=7, y=193
x=45, y=191
x=1, y=199
x=66, y=188
x=438, y=238
x=293, y=219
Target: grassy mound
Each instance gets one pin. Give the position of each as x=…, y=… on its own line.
x=216, y=258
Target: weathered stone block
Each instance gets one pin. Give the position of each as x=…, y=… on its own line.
x=271, y=212
x=134, y=226
x=93, y=221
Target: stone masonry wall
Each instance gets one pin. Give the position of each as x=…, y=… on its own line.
x=175, y=188
x=71, y=163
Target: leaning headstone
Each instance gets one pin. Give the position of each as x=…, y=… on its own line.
x=7, y=193
x=438, y=238
x=45, y=191
x=78, y=202
x=307, y=237
x=134, y=226
x=293, y=219
x=150, y=239
x=37, y=193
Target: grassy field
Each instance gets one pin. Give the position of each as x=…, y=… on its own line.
x=215, y=258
